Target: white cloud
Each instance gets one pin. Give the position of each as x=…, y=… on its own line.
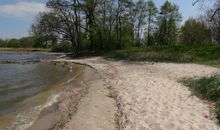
x=22, y=9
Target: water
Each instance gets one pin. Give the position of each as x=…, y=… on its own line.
x=26, y=87
x=11, y=56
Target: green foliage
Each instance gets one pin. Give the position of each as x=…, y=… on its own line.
x=2, y=43
x=140, y=10
x=104, y=25
x=25, y=42
x=168, y=24
x=14, y=43
x=204, y=54
x=207, y=88
x=41, y=31
x=195, y=32
x=151, y=21
x=141, y=54
x=62, y=47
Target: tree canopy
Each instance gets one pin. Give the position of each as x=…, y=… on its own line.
x=104, y=25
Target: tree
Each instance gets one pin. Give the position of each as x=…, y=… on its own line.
x=13, y=43
x=64, y=21
x=42, y=32
x=168, y=23
x=100, y=25
x=26, y=42
x=103, y=8
x=214, y=23
x=151, y=14
x=195, y=32
x=89, y=7
x=2, y=43
x=214, y=12
x=141, y=14
x=122, y=24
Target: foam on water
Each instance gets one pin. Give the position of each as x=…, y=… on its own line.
x=26, y=119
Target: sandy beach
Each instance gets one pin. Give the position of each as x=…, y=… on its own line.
x=109, y=65
x=122, y=95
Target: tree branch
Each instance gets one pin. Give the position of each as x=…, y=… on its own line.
x=215, y=12
x=195, y=2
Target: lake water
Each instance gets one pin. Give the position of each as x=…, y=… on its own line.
x=26, y=87
x=12, y=56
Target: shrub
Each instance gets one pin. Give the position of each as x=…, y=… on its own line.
x=61, y=47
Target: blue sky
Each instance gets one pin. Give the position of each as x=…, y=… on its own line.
x=16, y=16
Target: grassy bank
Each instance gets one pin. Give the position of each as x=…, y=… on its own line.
x=202, y=54
x=207, y=88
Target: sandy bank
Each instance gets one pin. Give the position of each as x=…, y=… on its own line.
x=149, y=96
x=84, y=104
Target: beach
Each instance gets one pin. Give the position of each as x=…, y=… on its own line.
x=109, y=65
x=133, y=96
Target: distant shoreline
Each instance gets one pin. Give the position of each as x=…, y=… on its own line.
x=27, y=49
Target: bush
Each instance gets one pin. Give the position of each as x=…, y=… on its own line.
x=62, y=47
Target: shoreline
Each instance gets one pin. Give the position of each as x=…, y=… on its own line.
x=84, y=98
x=25, y=49
x=106, y=97
x=58, y=114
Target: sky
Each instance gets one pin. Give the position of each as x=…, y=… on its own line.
x=16, y=16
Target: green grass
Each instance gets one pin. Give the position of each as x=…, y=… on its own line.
x=202, y=54
x=207, y=88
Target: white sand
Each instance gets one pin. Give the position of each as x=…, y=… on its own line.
x=149, y=97
x=96, y=111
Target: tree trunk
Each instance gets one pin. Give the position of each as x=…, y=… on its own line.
x=149, y=30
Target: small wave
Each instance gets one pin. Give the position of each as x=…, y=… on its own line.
x=10, y=90
x=52, y=100
x=26, y=119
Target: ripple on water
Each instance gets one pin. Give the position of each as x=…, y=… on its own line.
x=25, y=89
